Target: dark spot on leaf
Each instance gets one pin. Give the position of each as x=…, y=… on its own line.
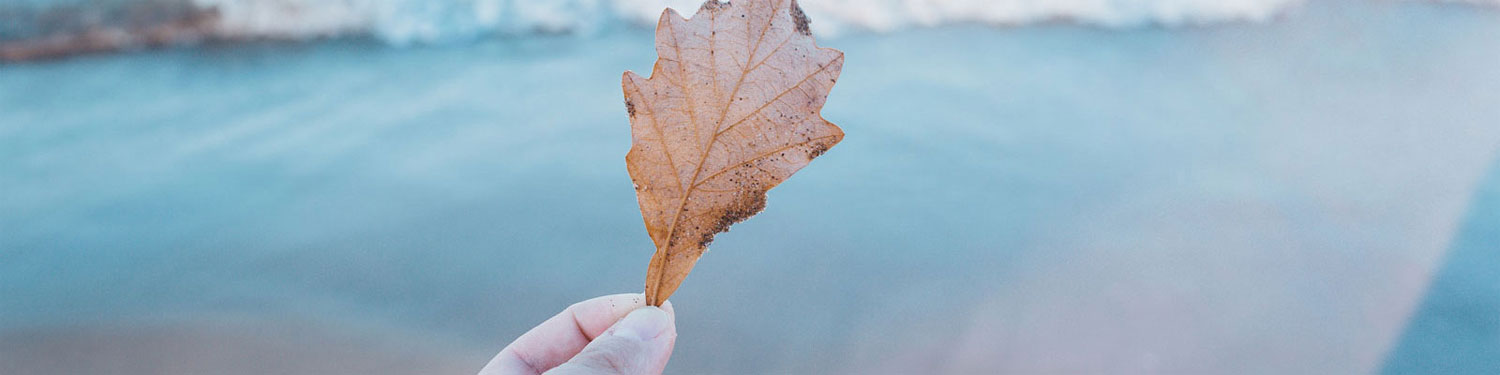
x=630, y=107
x=800, y=19
x=744, y=207
x=818, y=150
x=715, y=5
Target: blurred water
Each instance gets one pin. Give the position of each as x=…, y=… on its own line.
x=1262, y=198
x=1456, y=330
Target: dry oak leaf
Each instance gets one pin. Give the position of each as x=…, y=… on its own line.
x=731, y=110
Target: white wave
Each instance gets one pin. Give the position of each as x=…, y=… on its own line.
x=834, y=16
x=404, y=22
x=408, y=21
x=291, y=18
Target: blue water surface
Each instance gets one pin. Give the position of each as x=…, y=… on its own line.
x=1244, y=198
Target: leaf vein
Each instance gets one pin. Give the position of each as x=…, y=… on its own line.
x=779, y=95
x=731, y=166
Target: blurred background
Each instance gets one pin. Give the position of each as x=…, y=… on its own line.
x=1027, y=186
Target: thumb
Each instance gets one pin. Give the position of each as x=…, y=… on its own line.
x=639, y=344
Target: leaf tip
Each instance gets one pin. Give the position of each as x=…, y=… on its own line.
x=667, y=15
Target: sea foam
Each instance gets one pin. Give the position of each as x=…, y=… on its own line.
x=436, y=21
x=406, y=21
x=41, y=28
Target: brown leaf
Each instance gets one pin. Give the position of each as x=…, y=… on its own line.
x=730, y=110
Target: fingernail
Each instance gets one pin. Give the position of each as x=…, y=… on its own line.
x=643, y=324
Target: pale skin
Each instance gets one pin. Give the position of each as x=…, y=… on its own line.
x=609, y=335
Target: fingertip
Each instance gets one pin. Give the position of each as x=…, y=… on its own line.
x=644, y=324
x=667, y=306
x=596, y=315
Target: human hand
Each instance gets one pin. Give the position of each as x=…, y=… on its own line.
x=609, y=335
